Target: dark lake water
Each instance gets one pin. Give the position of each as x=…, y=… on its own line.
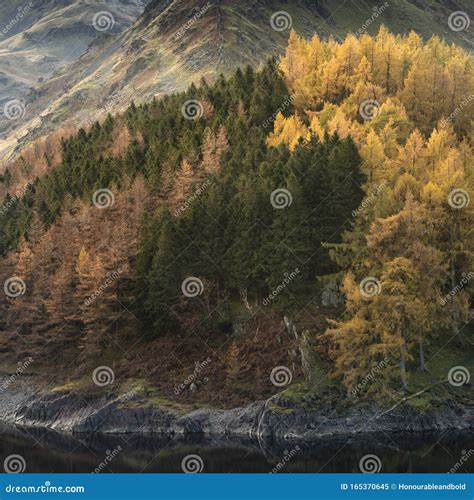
x=44, y=451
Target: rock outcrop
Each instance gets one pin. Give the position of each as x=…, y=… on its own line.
x=274, y=418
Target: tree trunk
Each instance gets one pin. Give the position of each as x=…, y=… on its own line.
x=257, y=298
x=403, y=371
x=455, y=314
x=244, y=296
x=302, y=347
x=422, y=357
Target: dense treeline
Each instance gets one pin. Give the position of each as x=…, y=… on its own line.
x=408, y=259
x=162, y=138
x=215, y=187
x=253, y=188
x=234, y=240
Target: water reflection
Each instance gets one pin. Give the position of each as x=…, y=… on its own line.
x=46, y=451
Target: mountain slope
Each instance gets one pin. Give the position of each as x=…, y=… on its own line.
x=40, y=38
x=174, y=43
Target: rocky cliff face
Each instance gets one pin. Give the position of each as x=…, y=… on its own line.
x=275, y=418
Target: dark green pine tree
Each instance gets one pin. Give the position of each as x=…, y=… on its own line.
x=164, y=277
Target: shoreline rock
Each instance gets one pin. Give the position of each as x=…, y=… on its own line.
x=275, y=418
